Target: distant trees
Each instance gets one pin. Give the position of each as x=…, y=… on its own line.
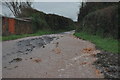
x=16, y=6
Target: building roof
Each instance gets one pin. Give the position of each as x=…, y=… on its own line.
x=21, y=19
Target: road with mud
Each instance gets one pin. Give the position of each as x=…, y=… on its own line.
x=49, y=56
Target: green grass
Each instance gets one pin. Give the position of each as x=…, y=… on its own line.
x=106, y=44
x=39, y=33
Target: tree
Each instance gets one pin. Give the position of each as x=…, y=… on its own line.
x=81, y=14
x=16, y=6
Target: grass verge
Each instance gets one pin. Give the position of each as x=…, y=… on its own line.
x=106, y=44
x=39, y=33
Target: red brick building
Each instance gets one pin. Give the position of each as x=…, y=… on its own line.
x=15, y=26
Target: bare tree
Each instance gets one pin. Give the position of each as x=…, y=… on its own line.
x=16, y=6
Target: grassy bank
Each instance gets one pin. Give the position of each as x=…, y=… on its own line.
x=106, y=44
x=39, y=33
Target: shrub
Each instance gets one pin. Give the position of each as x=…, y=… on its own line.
x=39, y=22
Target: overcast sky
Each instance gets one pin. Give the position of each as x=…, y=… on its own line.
x=67, y=9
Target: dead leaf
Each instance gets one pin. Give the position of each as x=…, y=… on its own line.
x=57, y=50
x=97, y=72
x=83, y=63
x=88, y=50
x=93, y=55
x=37, y=60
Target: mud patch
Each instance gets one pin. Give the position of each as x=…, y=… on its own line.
x=16, y=60
x=27, y=46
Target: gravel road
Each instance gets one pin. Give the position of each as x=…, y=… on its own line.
x=49, y=56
